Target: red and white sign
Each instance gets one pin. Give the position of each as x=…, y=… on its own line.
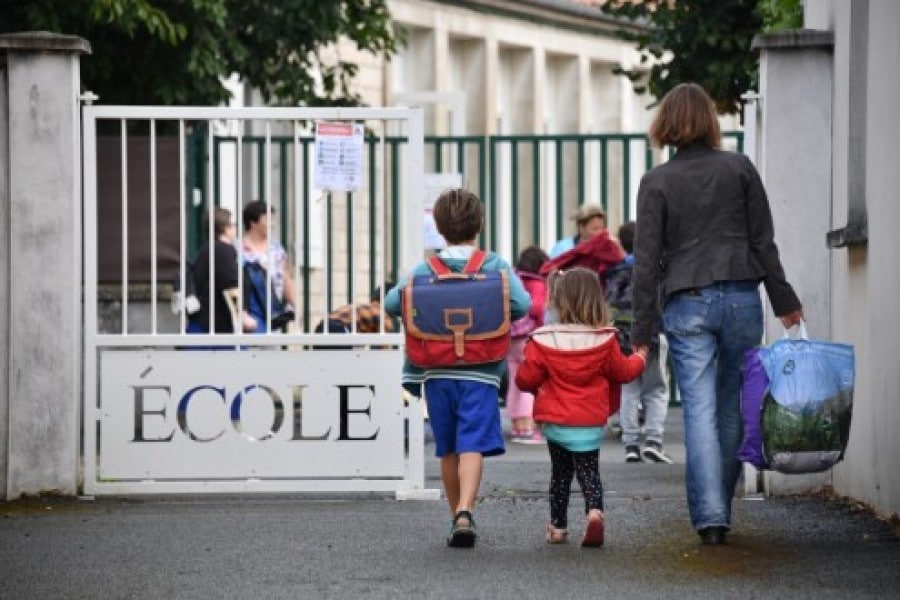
x=339, y=156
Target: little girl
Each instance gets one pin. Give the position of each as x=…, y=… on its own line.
x=519, y=404
x=574, y=367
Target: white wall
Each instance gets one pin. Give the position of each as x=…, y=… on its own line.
x=563, y=85
x=515, y=93
x=863, y=281
x=468, y=68
x=608, y=93
x=867, y=280
x=795, y=112
x=4, y=280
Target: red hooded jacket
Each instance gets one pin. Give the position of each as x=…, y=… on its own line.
x=597, y=254
x=575, y=372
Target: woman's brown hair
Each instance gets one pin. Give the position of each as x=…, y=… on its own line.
x=686, y=116
x=221, y=221
x=458, y=215
x=577, y=296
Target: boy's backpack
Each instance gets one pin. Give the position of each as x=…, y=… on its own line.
x=620, y=300
x=619, y=287
x=456, y=319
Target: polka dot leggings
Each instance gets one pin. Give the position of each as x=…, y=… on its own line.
x=564, y=464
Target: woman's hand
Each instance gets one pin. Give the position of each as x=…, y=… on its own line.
x=792, y=318
x=248, y=322
x=643, y=351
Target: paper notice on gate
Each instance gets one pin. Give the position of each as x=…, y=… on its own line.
x=339, y=156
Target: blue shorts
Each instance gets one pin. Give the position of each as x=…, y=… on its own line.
x=465, y=417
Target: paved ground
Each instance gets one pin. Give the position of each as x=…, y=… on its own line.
x=376, y=547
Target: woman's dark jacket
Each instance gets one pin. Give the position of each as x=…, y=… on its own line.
x=703, y=217
x=226, y=266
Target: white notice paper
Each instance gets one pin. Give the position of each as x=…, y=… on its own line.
x=339, y=156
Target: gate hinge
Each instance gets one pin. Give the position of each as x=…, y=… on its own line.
x=88, y=97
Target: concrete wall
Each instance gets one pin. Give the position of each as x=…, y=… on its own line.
x=882, y=192
x=43, y=228
x=4, y=274
x=795, y=113
x=862, y=180
x=867, y=280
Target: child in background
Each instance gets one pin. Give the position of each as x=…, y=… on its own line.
x=463, y=403
x=649, y=392
x=573, y=368
x=519, y=404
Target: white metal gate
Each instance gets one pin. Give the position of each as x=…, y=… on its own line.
x=165, y=413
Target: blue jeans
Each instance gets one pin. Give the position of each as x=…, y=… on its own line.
x=708, y=330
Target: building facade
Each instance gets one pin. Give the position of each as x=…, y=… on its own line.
x=507, y=67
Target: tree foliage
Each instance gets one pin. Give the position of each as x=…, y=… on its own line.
x=180, y=51
x=703, y=41
x=778, y=15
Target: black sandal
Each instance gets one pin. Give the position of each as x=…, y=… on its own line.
x=462, y=536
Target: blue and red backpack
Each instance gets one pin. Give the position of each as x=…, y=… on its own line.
x=456, y=319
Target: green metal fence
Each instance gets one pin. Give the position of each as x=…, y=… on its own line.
x=530, y=185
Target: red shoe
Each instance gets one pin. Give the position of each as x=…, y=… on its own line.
x=593, y=533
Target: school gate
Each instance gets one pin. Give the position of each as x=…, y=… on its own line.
x=159, y=412
x=167, y=412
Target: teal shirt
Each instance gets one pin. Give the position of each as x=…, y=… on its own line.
x=563, y=245
x=519, y=304
x=573, y=439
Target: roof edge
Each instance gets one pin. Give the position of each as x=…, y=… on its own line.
x=793, y=38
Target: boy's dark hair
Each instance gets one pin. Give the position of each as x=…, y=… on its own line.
x=626, y=236
x=253, y=212
x=531, y=259
x=458, y=215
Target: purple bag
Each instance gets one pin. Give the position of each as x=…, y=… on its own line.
x=753, y=389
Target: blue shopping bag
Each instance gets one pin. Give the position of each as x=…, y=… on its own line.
x=807, y=407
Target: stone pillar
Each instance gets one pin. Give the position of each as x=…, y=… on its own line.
x=40, y=263
x=795, y=161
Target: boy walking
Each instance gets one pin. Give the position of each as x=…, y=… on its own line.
x=463, y=403
x=649, y=391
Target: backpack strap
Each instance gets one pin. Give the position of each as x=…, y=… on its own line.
x=476, y=261
x=438, y=266
x=474, y=264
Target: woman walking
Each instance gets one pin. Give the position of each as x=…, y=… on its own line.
x=705, y=240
